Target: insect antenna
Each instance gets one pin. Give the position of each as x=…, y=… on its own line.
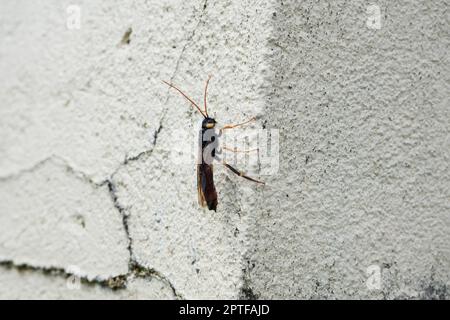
x=204, y=97
x=184, y=95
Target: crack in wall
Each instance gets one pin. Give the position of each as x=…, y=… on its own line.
x=115, y=283
x=59, y=160
x=142, y=153
x=140, y=271
x=112, y=193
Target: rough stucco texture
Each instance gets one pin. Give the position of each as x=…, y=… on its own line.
x=364, y=153
x=93, y=192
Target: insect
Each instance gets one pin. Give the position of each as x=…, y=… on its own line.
x=207, y=195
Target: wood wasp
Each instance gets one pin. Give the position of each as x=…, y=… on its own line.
x=207, y=195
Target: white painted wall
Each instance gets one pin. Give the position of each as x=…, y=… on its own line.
x=91, y=196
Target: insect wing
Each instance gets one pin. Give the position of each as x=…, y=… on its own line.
x=206, y=189
x=201, y=195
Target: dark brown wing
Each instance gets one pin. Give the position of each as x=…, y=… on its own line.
x=207, y=195
x=201, y=196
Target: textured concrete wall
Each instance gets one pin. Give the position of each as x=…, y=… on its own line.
x=364, y=182
x=94, y=206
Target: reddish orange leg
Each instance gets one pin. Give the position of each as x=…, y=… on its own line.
x=239, y=151
x=231, y=126
x=241, y=174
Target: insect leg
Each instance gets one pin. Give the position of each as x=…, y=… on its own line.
x=239, y=151
x=241, y=174
x=231, y=126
